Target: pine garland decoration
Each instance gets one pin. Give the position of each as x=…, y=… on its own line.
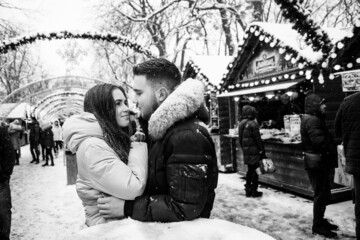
x=6, y=46
x=314, y=35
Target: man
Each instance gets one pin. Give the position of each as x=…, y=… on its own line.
x=317, y=140
x=347, y=125
x=7, y=160
x=183, y=171
x=34, y=139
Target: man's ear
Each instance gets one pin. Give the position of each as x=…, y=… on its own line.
x=161, y=94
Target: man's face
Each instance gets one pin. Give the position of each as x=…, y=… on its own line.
x=145, y=98
x=323, y=108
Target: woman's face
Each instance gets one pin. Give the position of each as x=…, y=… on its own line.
x=122, y=110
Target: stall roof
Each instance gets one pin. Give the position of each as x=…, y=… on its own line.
x=293, y=39
x=13, y=110
x=272, y=87
x=213, y=67
x=274, y=35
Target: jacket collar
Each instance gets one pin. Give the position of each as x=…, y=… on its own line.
x=182, y=103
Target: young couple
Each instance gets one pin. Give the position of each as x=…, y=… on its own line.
x=171, y=178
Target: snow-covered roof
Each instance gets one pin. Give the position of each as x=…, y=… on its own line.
x=213, y=67
x=13, y=110
x=290, y=37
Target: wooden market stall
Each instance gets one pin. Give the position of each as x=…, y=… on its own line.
x=273, y=71
x=210, y=70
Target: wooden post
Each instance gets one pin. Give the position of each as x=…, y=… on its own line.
x=71, y=168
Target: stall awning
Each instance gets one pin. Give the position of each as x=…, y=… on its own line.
x=267, y=88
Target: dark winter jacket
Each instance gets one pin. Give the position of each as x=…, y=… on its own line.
x=7, y=155
x=249, y=137
x=183, y=171
x=315, y=136
x=34, y=128
x=47, y=137
x=347, y=125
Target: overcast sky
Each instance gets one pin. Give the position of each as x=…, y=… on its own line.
x=50, y=16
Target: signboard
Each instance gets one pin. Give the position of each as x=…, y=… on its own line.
x=350, y=81
x=267, y=61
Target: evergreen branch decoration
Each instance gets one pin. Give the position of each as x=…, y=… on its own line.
x=314, y=35
x=12, y=44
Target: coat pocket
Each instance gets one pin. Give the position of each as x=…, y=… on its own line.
x=193, y=182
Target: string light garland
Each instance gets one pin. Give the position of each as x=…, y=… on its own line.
x=267, y=39
x=6, y=46
x=202, y=77
x=300, y=17
x=342, y=51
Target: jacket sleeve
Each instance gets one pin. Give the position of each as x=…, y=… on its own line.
x=188, y=179
x=338, y=121
x=7, y=155
x=112, y=176
x=257, y=138
x=316, y=135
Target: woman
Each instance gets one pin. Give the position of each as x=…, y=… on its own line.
x=108, y=162
x=15, y=132
x=316, y=139
x=253, y=149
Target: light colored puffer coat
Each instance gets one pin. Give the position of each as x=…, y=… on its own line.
x=100, y=171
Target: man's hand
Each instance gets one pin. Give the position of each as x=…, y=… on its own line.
x=111, y=207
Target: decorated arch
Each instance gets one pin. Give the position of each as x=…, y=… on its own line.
x=60, y=89
x=40, y=92
x=12, y=44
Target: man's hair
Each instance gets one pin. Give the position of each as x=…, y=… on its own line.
x=159, y=71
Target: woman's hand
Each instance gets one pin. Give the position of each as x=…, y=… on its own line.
x=138, y=137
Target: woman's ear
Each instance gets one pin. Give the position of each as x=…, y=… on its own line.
x=161, y=94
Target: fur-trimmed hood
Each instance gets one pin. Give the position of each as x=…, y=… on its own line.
x=79, y=127
x=182, y=103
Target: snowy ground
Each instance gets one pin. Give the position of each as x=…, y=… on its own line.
x=44, y=207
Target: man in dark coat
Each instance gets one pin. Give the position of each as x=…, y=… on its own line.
x=253, y=149
x=317, y=139
x=7, y=160
x=347, y=126
x=183, y=171
x=35, y=133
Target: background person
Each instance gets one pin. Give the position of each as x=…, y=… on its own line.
x=108, y=162
x=347, y=126
x=183, y=170
x=317, y=139
x=57, y=132
x=15, y=132
x=34, y=138
x=7, y=160
x=253, y=149
x=47, y=139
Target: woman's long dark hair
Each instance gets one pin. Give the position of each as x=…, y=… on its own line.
x=100, y=102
